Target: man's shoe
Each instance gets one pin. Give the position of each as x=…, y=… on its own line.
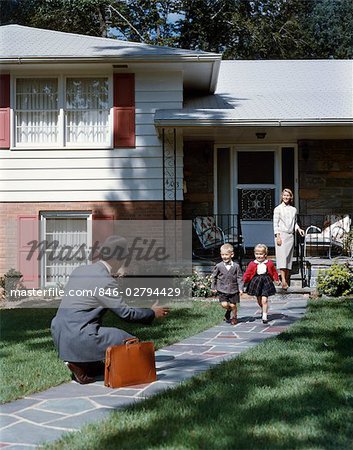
x=80, y=373
x=265, y=321
x=233, y=321
x=227, y=316
x=95, y=369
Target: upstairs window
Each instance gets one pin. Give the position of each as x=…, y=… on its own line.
x=37, y=111
x=87, y=111
x=62, y=112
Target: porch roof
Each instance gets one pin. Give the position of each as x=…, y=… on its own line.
x=272, y=93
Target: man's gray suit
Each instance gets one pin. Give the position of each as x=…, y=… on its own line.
x=76, y=329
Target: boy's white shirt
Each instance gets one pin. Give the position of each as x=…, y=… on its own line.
x=228, y=265
x=261, y=267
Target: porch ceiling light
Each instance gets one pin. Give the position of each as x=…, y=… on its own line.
x=260, y=135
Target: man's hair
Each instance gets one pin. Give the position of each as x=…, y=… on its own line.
x=227, y=248
x=114, y=247
x=261, y=247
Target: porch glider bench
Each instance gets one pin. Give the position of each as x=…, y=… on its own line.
x=211, y=236
x=333, y=237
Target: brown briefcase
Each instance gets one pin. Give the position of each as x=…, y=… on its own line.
x=130, y=363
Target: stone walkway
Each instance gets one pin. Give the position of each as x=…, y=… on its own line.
x=45, y=416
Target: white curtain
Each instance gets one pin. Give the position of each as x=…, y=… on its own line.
x=87, y=111
x=37, y=111
x=71, y=235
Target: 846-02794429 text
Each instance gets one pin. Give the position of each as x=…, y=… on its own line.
x=142, y=292
x=127, y=292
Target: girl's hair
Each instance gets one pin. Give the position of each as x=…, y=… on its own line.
x=261, y=247
x=287, y=191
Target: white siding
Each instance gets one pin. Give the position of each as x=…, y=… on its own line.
x=100, y=174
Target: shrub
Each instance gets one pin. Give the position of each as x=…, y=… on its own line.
x=336, y=281
x=10, y=282
x=200, y=285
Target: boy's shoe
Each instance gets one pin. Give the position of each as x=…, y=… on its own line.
x=233, y=321
x=227, y=316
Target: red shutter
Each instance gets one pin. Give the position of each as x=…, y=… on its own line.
x=4, y=111
x=28, y=263
x=102, y=227
x=124, y=110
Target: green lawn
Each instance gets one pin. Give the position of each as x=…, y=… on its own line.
x=293, y=392
x=29, y=362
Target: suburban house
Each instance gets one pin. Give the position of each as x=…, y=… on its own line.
x=101, y=129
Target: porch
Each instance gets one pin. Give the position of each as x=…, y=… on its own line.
x=328, y=240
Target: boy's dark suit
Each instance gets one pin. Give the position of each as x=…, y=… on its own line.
x=227, y=281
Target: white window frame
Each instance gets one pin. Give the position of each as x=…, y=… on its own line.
x=62, y=144
x=44, y=215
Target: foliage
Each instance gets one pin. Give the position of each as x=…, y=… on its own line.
x=9, y=283
x=336, y=281
x=269, y=29
x=348, y=243
x=200, y=286
x=133, y=20
x=240, y=29
x=75, y=16
x=330, y=29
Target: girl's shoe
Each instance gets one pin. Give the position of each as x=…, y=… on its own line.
x=227, y=316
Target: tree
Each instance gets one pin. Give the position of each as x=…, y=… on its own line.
x=75, y=16
x=133, y=20
x=149, y=21
x=206, y=24
x=240, y=29
x=269, y=29
x=331, y=29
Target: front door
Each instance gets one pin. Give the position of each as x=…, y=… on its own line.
x=255, y=192
x=248, y=182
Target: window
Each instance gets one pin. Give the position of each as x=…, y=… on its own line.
x=37, y=111
x=63, y=112
x=66, y=240
x=256, y=167
x=87, y=110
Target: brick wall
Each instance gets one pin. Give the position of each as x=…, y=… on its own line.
x=9, y=213
x=198, y=176
x=325, y=176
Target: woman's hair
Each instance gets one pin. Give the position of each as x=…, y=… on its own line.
x=261, y=247
x=287, y=191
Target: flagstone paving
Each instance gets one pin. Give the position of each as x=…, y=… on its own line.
x=45, y=416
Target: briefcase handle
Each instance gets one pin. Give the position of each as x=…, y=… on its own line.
x=130, y=341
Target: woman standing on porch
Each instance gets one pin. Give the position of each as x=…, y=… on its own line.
x=285, y=225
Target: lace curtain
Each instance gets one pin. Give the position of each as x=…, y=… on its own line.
x=64, y=239
x=86, y=111
x=37, y=111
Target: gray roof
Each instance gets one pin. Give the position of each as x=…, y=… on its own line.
x=280, y=90
x=17, y=41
